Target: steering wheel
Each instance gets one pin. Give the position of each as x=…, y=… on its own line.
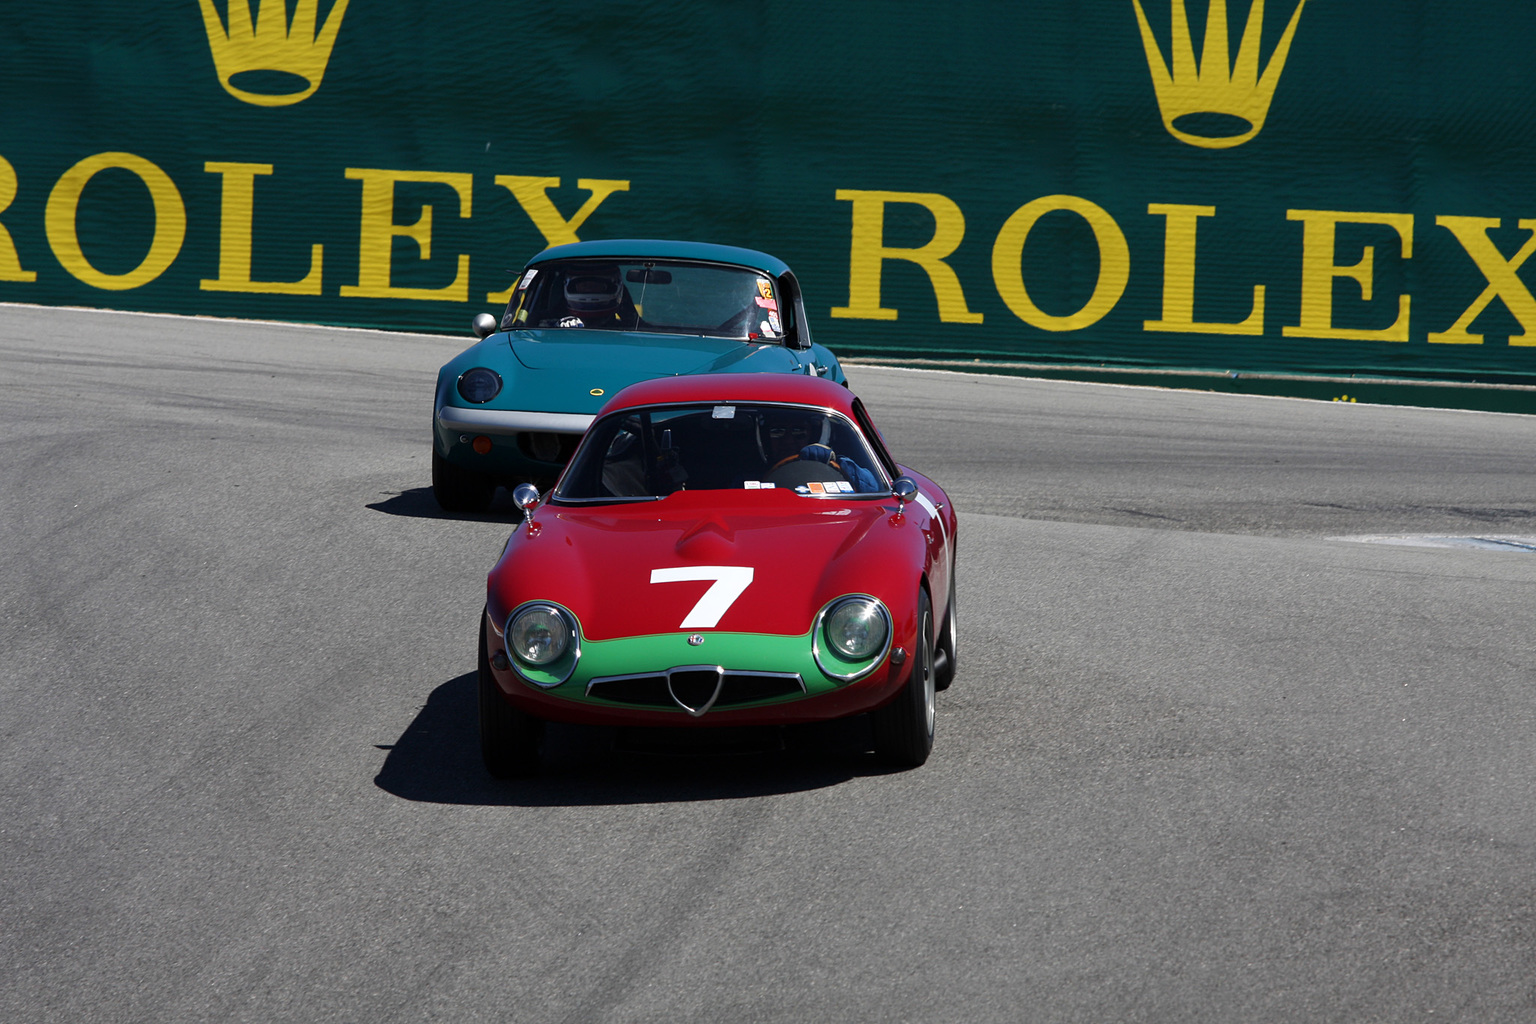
x=737, y=324
x=794, y=471
x=786, y=460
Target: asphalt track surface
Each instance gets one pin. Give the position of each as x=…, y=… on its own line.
x=1201, y=762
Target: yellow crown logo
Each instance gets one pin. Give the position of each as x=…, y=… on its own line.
x=1207, y=98
x=270, y=52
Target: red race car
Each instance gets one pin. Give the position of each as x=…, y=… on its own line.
x=723, y=550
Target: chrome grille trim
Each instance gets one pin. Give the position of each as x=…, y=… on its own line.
x=734, y=688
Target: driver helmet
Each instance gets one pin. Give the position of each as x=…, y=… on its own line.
x=787, y=431
x=594, y=290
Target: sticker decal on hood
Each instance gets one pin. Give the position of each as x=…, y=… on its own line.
x=727, y=583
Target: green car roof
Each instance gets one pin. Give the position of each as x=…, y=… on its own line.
x=633, y=248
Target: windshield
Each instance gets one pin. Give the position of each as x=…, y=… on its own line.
x=650, y=296
x=650, y=453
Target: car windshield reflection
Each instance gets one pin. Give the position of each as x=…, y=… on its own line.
x=648, y=297
x=649, y=453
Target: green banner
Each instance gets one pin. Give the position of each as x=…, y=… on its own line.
x=1293, y=187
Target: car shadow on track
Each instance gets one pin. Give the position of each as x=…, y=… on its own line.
x=418, y=503
x=437, y=760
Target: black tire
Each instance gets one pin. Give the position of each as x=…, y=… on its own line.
x=904, y=727
x=509, y=738
x=945, y=664
x=460, y=490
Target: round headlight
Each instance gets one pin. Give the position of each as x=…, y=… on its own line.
x=479, y=385
x=538, y=634
x=857, y=629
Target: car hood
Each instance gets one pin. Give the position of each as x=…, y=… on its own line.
x=637, y=355
x=801, y=552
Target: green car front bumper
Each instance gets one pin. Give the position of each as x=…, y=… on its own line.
x=695, y=678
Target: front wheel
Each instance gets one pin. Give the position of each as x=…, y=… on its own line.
x=509, y=737
x=460, y=490
x=904, y=727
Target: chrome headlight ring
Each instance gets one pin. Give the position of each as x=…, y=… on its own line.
x=560, y=631
x=839, y=664
x=479, y=385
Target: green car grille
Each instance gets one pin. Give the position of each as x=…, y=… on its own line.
x=696, y=687
x=689, y=673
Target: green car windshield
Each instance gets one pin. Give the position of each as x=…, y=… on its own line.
x=649, y=453
x=647, y=296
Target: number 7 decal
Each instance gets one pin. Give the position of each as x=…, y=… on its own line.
x=729, y=581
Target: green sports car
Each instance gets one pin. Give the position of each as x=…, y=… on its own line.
x=589, y=318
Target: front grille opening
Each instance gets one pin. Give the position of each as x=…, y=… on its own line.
x=548, y=447
x=742, y=688
x=694, y=687
x=641, y=691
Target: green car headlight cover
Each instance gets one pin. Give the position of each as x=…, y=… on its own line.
x=479, y=385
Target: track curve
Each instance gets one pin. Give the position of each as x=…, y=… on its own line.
x=1202, y=761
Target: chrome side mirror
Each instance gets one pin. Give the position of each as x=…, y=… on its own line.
x=526, y=497
x=484, y=325
x=904, y=489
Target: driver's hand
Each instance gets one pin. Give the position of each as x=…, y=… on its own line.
x=819, y=453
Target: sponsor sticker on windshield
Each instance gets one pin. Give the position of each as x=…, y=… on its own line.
x=724, y=412
x=527, y=279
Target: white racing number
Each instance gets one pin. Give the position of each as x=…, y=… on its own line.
x=729, y=581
